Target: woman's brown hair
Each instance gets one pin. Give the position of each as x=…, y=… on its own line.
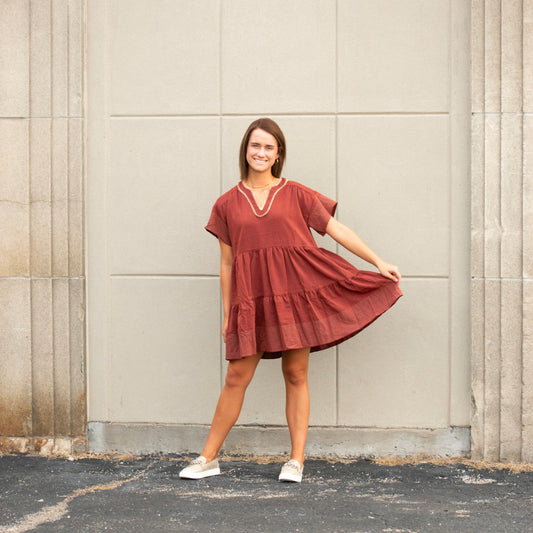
x=268, y=125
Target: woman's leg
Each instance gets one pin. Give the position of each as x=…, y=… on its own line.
x=238, y=377
x=295, y=364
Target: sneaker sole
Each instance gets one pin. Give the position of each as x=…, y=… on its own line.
x=290, y=477
x=200, y=475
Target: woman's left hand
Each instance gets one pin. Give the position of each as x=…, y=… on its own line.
x=389, y=271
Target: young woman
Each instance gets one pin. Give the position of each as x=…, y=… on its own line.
x=283, y=296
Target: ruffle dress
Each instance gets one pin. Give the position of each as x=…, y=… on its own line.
x=286, y=292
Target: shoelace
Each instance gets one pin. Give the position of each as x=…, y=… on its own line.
x=293, y=465
x=198, y=461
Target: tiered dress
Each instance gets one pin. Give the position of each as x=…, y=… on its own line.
x=286, y=292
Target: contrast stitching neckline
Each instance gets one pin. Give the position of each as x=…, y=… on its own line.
x=269, y=200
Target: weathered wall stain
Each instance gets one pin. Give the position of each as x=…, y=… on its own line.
x=42, y=339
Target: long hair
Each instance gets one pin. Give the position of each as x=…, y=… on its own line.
x=268, y=125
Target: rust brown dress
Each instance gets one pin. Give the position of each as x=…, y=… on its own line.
x=286, y=292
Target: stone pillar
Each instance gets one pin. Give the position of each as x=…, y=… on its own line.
x=502, y=230
x=42, y=283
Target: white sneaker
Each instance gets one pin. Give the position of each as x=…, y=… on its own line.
x=200, y=468
x=291, y=471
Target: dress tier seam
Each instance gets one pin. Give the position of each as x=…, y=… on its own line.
x=279, y=247
x=306, y=292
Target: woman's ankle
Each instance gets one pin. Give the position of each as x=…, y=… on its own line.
x=209, y=456
x=299, y=458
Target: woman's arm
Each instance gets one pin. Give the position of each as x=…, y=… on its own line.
x=226, y=258
x=347, y=238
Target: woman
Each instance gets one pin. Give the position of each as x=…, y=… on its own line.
x=283, y=296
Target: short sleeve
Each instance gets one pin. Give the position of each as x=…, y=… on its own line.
x=217, y=224
x=317, y=209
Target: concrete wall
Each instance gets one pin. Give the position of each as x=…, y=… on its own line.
x=42, y=281
x=374, y=99
x=502, y=230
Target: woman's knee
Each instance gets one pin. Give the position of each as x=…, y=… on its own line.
x=239, y=373
x=295, y=375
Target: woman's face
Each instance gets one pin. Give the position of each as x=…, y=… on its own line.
x=262, y=151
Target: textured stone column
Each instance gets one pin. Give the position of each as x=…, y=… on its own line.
x=502, y=237
x=42, y=283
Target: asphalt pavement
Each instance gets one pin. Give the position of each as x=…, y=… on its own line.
x=145, y=494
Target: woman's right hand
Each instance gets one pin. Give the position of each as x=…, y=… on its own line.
x=224, y=328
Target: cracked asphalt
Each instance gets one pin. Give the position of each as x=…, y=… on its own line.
x=145, y=494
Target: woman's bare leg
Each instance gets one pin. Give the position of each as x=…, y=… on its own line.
x=238, y=377
x=295, y=365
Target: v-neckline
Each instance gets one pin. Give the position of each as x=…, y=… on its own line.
x=261, y=211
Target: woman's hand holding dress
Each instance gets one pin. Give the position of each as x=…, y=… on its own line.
x=389, y=271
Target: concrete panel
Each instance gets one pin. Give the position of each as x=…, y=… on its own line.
x=164, y=57
x=40, y=59
x=492, y=197
x=527, y=198
x=352, y=442
x=40, y=196
x=478, y=368
x=390, y=168
x=14, y=199
x=160, y=199
x=527, y=373
x=278, y=56
x=393, y=56
x=477, y=194
x=76, y=37
x=492, y=370
x=97, y=136
x=164, y=360
x=60, y=70
x=60, y=209
x=14, y=182
x=460, y=209
x=265, y=397
x=42, y=357
x=14, y=239
x=61, y=318
x=511, y=56
x=492, y=65
x=478, y=56
x=15, y=363
x=396, y=372
x=14, y=51
x=78, y=374
x=321, y=441
x=527, y=56
x=76, y=194
x=311, y=154
x=511, y=370
x=511, y=196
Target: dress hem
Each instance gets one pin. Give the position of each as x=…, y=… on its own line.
x=350, y=318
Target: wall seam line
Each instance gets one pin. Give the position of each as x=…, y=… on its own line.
x=522, y=242
x=500, y=236
x=450, y=207
x=30, y=213
x=51, y=188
